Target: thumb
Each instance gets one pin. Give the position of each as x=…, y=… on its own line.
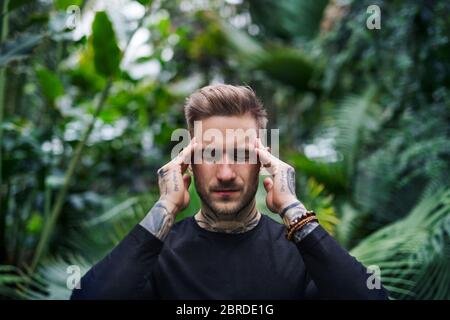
x=186, y=181
x=186, y=196
x=268, y=184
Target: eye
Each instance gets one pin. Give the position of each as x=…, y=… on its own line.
x=209, y=155
x=241, y=155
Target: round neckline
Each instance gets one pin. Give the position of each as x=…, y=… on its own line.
x=223, y=235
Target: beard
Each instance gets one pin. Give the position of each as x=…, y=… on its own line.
x=227, y=209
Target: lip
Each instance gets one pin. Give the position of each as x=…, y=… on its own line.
x=225, y=192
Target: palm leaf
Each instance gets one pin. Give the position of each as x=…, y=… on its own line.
x=290, y=20
x=85, y=246
x=353, y=118
x=413, y=253
x=291, y=67
x=10, y=278
x=18, y=48
x=405, y=162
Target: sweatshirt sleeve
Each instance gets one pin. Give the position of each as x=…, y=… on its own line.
x=333, y=272
x=125, y=273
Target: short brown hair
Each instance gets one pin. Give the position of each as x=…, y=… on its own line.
x=224, y=100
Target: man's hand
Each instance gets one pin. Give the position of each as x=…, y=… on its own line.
x=174, y=194
x=174, y=183
x=281, y=197
x=281, y=187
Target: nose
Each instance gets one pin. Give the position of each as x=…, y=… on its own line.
x=225, y=170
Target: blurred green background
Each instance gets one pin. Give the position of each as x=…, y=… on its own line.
x=90, y=92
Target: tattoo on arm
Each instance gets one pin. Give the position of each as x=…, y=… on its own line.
x=162, y=172
x=283, y=181
x=292, y=205
x=293, y=210
x=291, y=180
x=162, y=176
x=158, y=221
x=175, y=181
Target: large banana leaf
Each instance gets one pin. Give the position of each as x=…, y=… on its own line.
x=291, y=67
x=288, y=20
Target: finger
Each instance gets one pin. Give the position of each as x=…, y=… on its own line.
x=162, y=171
x=186, y=181
x=186, y=199
x=184, y=157
x=268, y=184
x=266, y=159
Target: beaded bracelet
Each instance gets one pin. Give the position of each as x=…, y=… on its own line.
x=299, y=223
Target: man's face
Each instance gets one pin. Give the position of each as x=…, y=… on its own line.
x=223, y=186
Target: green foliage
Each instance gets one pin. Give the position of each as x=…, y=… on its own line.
x=145, y=2
x=289, y=66
x=332, y=175
x=289, y=20
x=107, y=54
x=208, y=43
x=64, y=4
x=84, y=75
x=194, y=203
x=51, y=86
x=413, y=161
x=18, y=48
x=10, y=278
x=313, y=196
x=17, y=3
x=413, y=253
x=354, y=118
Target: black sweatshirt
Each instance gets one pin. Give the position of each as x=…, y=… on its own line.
x=194, y=263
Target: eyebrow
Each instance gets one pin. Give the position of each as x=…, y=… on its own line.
x=245, y=149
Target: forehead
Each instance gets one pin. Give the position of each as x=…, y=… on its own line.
x=227, y=130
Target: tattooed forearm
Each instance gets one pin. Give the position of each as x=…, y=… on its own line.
x=283, y=181
x=288, y=181
x=158, y=221
x=162, y=172
x=175, y=181
x=292, y=211
x=291, y=180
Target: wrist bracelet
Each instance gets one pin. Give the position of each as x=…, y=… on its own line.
x=299, y=223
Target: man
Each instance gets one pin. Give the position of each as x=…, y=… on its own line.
x=228, y=250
